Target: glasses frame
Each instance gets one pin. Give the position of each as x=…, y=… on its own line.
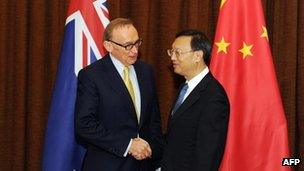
x=177, y=52
x=128, y=47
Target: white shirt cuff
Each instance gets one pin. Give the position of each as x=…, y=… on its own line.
x=128, y=148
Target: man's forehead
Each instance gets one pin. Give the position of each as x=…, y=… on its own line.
x=125, y=32
x=124, y=29
x=182, y=41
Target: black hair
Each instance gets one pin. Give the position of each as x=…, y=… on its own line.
x=199, y=41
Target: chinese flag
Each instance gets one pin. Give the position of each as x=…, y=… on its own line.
x=241, y=60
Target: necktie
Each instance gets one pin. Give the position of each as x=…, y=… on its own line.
x=180, y=98
x=129, y=86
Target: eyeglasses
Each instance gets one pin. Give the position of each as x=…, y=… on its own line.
x=137, y=43
x=177, y=52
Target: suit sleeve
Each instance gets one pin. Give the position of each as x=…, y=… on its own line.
x=212, y=132
x=88, y=126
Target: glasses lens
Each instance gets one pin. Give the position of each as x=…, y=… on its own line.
x=175, y=52
x=169, y=52
x=136, y=44
x=129, y=47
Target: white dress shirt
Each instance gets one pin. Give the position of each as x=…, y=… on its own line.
x=133, y=77
x=194, y=81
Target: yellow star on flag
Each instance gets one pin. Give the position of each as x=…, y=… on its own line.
x=223, y=2
x=246, y=50
x=265, y=33
x=222, y=46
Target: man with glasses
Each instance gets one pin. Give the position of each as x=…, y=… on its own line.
x=117, y=114
x=197, y=126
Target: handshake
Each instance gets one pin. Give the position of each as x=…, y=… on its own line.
x=140, y=149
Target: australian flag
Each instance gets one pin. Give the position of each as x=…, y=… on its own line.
x=82, y=45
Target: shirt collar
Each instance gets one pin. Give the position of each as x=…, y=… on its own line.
x=195, y=80
x=119, y=65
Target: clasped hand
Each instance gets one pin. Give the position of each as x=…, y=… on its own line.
x=140, y=149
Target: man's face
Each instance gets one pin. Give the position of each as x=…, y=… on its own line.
x=125, y=35
x=182, y=56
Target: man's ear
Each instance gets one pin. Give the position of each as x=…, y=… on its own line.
x=108, y=46
x=198, y=56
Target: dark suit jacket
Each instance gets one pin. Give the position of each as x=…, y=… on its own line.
x=196, y=134
x=106, y=118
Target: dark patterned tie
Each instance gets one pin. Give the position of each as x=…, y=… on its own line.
x=180, y=98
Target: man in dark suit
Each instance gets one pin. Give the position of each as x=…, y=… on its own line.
x=197, y=126
x=117, y=114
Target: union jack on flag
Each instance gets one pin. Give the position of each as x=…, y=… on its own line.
x=82, y=45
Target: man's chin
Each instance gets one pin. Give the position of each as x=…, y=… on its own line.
x=132, y=61
x=176, y=71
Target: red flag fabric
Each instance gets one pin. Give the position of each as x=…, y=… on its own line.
x=241, y=60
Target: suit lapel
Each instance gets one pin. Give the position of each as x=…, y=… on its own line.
x=172, y=105
x=190, y=100
x=117, y=84
x=143, y=91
